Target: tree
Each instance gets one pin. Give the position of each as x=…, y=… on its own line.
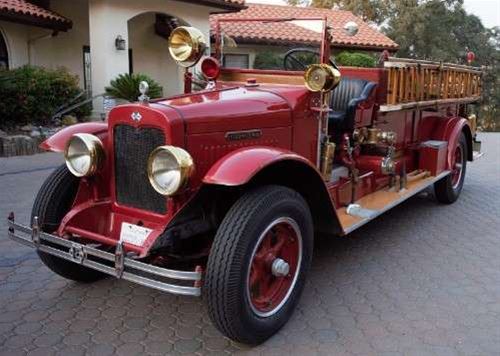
x=369, y=10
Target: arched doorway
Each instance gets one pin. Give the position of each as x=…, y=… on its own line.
x=148, y=49
x=4, y=55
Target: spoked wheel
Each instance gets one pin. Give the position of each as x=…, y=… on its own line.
x=274, y=267
x=448, y=189
x=258, y=262
x=458, y=167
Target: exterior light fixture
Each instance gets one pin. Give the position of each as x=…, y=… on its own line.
x=120, y=43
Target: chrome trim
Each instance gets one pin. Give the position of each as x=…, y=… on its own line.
x=119, y=266
x=405, y=194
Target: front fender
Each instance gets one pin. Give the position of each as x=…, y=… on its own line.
x=57, y=142
x=240, y=166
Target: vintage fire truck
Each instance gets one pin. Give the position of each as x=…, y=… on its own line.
x=220, y=192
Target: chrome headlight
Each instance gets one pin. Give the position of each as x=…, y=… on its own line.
x=84, y=154
x=169, y=169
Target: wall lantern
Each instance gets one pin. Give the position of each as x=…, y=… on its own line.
x=120, y=43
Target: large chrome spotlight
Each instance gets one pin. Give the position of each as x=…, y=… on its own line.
x=84, y=154
x=169, y=169
x=187, y=45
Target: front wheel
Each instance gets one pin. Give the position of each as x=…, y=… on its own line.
x=448, y=189
x=52, y=203
x=258, y=263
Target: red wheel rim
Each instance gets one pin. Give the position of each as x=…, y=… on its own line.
x=274, y=267
x=457, y=167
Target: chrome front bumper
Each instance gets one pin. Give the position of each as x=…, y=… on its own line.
x=115, y=264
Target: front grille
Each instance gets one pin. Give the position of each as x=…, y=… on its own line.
x=132, y=148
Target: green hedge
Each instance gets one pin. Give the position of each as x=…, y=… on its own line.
x=31, y=95
x=355, y=59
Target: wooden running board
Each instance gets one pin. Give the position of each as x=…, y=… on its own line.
x=383, y=200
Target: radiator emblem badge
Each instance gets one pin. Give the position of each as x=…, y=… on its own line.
x=136, y=116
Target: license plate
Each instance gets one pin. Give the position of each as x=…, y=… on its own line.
x=134, y=234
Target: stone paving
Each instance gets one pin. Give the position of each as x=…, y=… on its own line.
x=424, y=279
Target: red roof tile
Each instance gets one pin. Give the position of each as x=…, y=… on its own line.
x=287, y=32
x=28, y=12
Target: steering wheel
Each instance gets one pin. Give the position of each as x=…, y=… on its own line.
x=294, y=59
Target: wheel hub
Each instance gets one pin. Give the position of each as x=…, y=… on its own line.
x=274, y=267
x=280, y=268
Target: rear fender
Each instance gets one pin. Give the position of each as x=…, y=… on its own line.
x=57, y=142
x=256, y=166
x=450, y=130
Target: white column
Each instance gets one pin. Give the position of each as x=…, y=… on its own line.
x=106, y=23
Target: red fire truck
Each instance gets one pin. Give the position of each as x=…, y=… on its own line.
x=220, y=192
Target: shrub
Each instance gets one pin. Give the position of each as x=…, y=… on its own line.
x=355, y=59
x=126, y=86
x=268, y=60
x=33, y=95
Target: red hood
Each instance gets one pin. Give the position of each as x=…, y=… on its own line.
x=237, y=108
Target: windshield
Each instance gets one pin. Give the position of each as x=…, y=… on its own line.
x=290, y=45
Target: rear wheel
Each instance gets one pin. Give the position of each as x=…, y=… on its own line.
x=52, y=203
x=448, y=189
x=258, y=263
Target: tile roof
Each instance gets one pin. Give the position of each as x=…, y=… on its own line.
x=287, y=32
x=25, y=12
x=223, y=4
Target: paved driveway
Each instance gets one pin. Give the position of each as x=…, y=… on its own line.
x=424, y=279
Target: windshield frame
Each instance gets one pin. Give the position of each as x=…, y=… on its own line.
x=326, y=37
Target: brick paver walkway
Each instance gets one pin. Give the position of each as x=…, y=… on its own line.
x=424, y=279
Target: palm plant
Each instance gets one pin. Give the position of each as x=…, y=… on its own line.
x=126, y=86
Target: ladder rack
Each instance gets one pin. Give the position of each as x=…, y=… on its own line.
x=416, y=83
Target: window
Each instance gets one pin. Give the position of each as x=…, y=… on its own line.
x=87, y=73
x=4, y=56
x=236, y=61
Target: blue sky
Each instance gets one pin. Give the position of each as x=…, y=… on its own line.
x=487, y=10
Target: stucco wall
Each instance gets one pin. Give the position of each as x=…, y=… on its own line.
x=16, y=37
x=150, y=53
x=110, y=18
x=36, y=46
x=65, y=49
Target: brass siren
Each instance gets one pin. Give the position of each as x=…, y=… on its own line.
x=186, y=45
x=321, y=77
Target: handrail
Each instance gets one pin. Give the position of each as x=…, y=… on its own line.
x=59, y=113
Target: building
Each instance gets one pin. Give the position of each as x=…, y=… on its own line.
x=253, y=38
x=99, y=39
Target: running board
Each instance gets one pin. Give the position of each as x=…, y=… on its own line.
x=373, y=205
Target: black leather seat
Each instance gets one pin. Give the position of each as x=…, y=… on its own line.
x=345, y=98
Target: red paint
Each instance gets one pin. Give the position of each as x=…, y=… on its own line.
x=210, y=67
x=238, y=167
x=471, y=56
x=456, y=167
x=268, y=291
x=212, y=125
x=433, y=158
x=57, y=142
